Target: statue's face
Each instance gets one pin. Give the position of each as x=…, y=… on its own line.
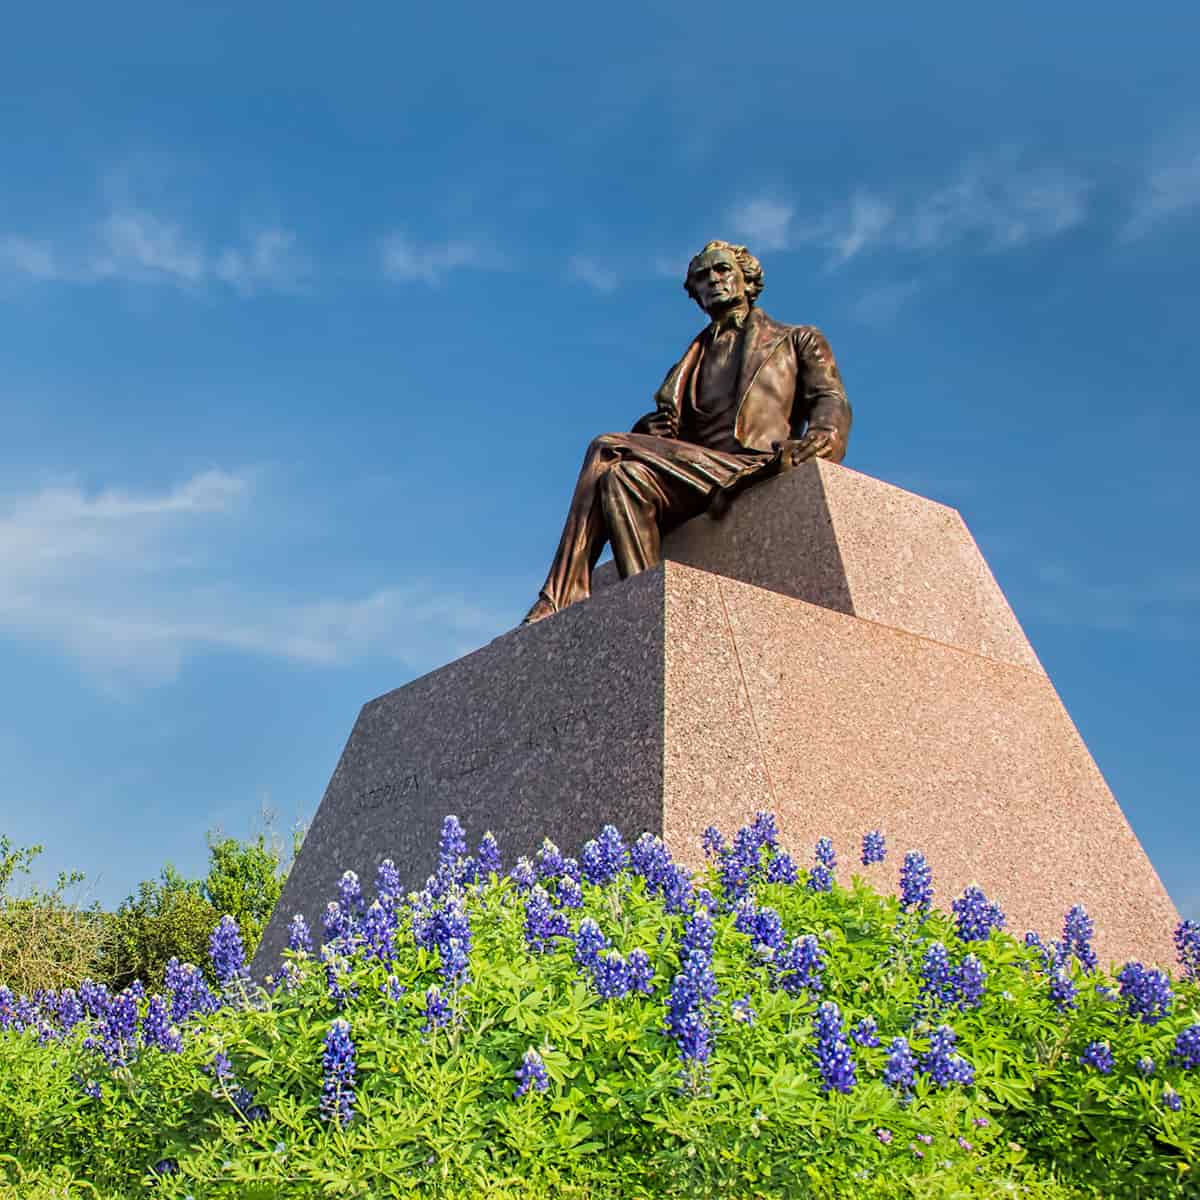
x=716, y=280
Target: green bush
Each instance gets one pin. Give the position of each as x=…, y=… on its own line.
x=46, y=939
x=258, y=1099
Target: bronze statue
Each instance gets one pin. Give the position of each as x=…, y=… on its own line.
x=749, y=398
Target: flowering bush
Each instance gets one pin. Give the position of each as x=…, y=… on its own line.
x=619, y=1026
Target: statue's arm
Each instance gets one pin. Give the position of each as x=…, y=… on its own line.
x=820, y=400
x=665, y=419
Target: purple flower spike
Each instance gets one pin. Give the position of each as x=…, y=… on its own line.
x=976, y=916
x=1099, y=1056
x=337, y=1092
x=531, y=1074
x=228, y=957
x=874, y=848
x=834, y=1059
x=1187, y=946
x=916, y=883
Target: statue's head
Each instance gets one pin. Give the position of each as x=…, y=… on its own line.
x=721, y=274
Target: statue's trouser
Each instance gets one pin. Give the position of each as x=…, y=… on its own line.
x=630, y=485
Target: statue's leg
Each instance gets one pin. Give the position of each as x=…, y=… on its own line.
x=634, y=501
x=583, y=535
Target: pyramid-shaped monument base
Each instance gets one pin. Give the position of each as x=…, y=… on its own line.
x=835, y=651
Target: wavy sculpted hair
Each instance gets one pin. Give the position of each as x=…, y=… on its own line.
x=751, y=268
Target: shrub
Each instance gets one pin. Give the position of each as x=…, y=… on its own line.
x=46, y=939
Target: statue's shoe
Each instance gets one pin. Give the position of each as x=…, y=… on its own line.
x=542, y=607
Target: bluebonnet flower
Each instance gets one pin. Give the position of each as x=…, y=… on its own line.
x=1172, y=1099
x=641, y=972
x=605, y=857
x=650, y=858
x=1146, y=992
x=916, y=883
x=189, y=991
x=568, y=892
x=824, y=853
x=937, y=979
x=157, y=1029
x=392, y=988
x=692, y=993
x=350, y=896
x=741, y=1010
x=975, y=915
x=781, y=869
x=437, y=1011
x=531, y=1074
x=874, y=848
x=69, y=1009
x=549, y=861
x=488, y=856
x=970, y=979
x=90, y=1088
x=228, y=956
x=589, y=941
x=7, y=1008
x=543, y=923
x=1048, y=954
x=703, y=898
x=900, y=1070
x=1077, y=938
x=117, y=1030
x=820, y=879
x=764, y=832
x=452, y=846
x=713, y=842
x=1187, y=946
x=378, y=931
x=800, y=966
x=337, y=973
x=834, y=1058
x=940, y=1062
x=610, y=975
x=1062, y=989
x=866, y=1032
x=453, y=935
x=745, y=915
x=94, y=996
x=337, y=1092
x=1145, y=1066
x=767, y=931
x=388, y=888
x=884, y=1135
x=337, y=924
x=677, y=889
x=523, y=874
x=740, y=864
x=1186, y=1051
x=299, y=937
x=1098, y=1055
x=165, y=1166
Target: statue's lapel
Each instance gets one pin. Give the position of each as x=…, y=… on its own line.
x=763, y=337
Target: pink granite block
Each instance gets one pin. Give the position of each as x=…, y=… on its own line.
x=859, y=726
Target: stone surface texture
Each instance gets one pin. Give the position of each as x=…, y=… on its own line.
x=836, y=650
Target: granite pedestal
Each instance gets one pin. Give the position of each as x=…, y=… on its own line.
x=836, y=650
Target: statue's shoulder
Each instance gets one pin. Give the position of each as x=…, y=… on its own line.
x=769, y=327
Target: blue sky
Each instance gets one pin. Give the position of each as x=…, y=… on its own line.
x=306, y=318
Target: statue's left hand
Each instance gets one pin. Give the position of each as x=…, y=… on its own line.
x=816, y=443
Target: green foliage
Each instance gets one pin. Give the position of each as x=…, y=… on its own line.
x=46, y=939
x=244, y=880
x=435, y=1114
x=168, y=917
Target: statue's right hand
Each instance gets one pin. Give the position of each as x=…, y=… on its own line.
x=657, y=424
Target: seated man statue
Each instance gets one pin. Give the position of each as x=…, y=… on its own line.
x=749, y=398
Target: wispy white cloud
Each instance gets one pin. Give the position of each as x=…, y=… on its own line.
x=1161, y=605
x=1171, y=189
x=403, y=258
x=600, y=277
x=136, y=245
x=993, y=202
x=133, y=584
